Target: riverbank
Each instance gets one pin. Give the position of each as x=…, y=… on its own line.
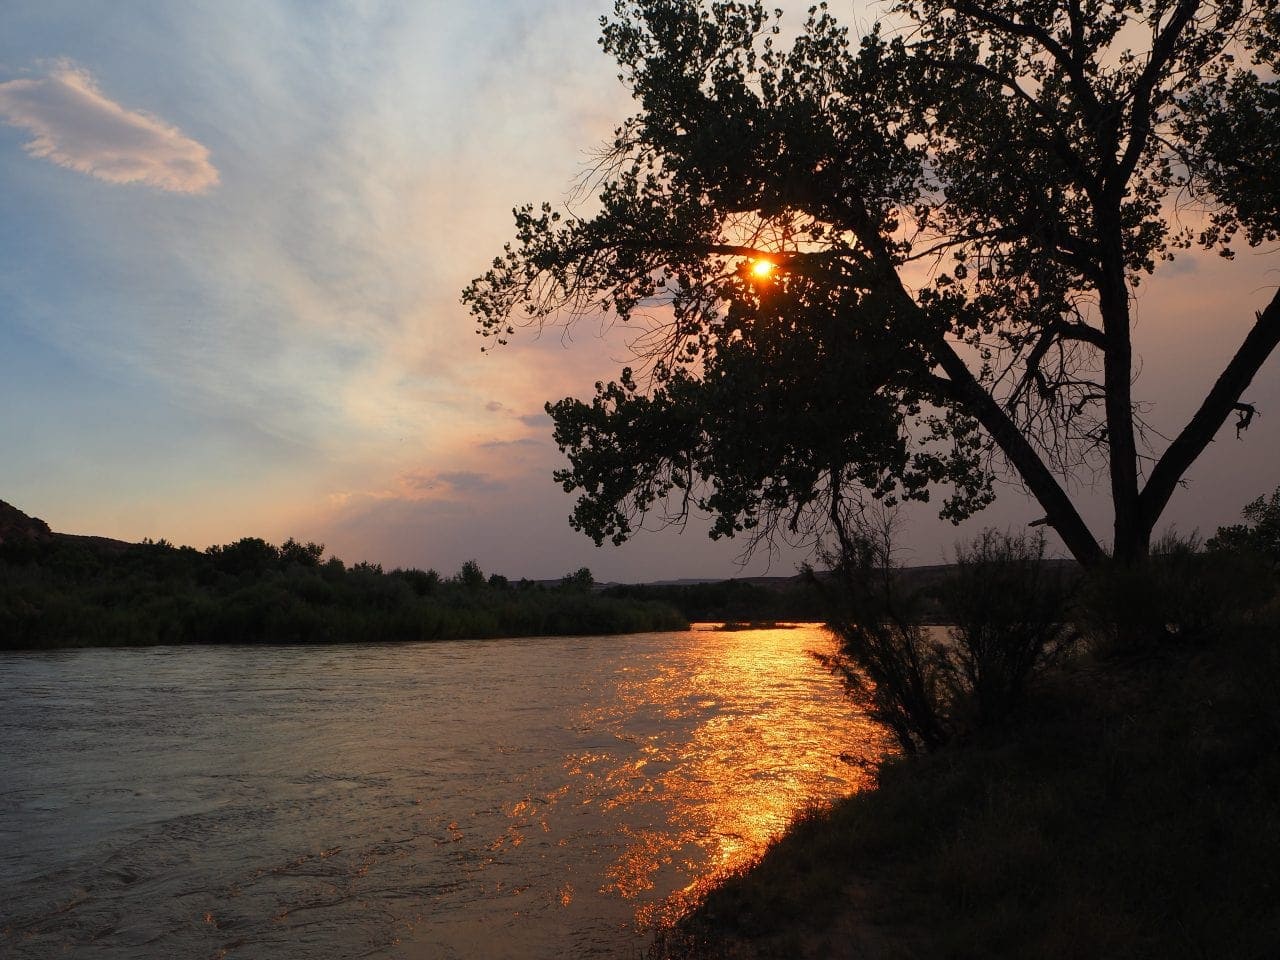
x=1136, y=813
x=62, y=591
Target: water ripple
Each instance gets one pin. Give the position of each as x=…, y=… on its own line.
x=517, y=798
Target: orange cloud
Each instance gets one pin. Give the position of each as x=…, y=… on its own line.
x=74, y=125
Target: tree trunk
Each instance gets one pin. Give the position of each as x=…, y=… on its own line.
x=1132, y=539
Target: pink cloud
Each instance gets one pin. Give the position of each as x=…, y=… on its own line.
x=74, y=125
x=422, y=482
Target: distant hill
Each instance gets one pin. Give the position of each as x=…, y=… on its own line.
x=16, y=526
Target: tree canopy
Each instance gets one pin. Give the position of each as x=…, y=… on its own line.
x=1260, y=533
x=898, y=264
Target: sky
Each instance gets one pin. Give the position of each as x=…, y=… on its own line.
x=232, y=241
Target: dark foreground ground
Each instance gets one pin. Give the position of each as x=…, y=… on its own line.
x=1135, y=814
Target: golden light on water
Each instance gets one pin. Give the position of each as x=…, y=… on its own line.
x=764, y=729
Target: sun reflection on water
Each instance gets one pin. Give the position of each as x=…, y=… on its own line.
x=760, y=734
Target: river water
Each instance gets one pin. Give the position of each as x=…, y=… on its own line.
x=540, y=798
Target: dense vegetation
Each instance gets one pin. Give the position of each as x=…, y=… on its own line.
x=70, y=591
x=1116, y=800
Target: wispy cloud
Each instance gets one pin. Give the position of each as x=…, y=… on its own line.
x=459, y=487
x=451, y=481
x=75, y=125
x=528, y=443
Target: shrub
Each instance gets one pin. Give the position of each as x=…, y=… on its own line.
x=887, y=661
x=1180, y=594
x=248, y=555
x=1008, y=616
x=581, y=580
x=424, y=583
x=303, y=554
x=77, y=592
x=1007, y=610
x=1259, y=534
x=470, y=576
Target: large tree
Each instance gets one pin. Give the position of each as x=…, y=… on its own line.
x=903, y=263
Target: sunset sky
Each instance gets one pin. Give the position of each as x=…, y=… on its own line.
x=232, y=241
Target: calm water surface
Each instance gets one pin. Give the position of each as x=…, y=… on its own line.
x=513, y=798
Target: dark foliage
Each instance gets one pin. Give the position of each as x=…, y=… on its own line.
x=68, y=592
x=1183, y=594
x=889, y=663
x=957, y=209
x=1259, y=534
x=1007, y=610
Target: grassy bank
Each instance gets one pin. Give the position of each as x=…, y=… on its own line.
x=68, y=591
x=1135, y=813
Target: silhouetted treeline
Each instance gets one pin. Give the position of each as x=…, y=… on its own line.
x=69, y=591
x=731, y=600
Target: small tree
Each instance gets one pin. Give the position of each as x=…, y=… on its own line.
x=471, y=576
x=248, y=555
x=424, y=583
x=303, y=554
x=1260, y=533
x=1007, y=612
x=581, y=580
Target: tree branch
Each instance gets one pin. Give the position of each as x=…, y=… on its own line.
x=1077, y=330
x=969, y=395
x=1056, y=141
x=1162, y=52
x=1042, y=483
x=1073, y=69
x=1213, y=412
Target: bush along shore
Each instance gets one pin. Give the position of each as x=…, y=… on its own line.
x=1107, y=790
x=61, y=591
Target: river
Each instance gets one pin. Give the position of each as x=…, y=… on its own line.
x=536, y=798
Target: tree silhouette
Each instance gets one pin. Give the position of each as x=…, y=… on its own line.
x=899, y=264
x=470, y=576
x=1259, y=533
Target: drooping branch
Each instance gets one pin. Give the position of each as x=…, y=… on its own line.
x=1053, y=335
x=1213, y=412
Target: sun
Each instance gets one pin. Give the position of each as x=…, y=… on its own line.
x=761, y=269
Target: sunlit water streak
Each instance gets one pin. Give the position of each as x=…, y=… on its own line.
x=512, y=798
